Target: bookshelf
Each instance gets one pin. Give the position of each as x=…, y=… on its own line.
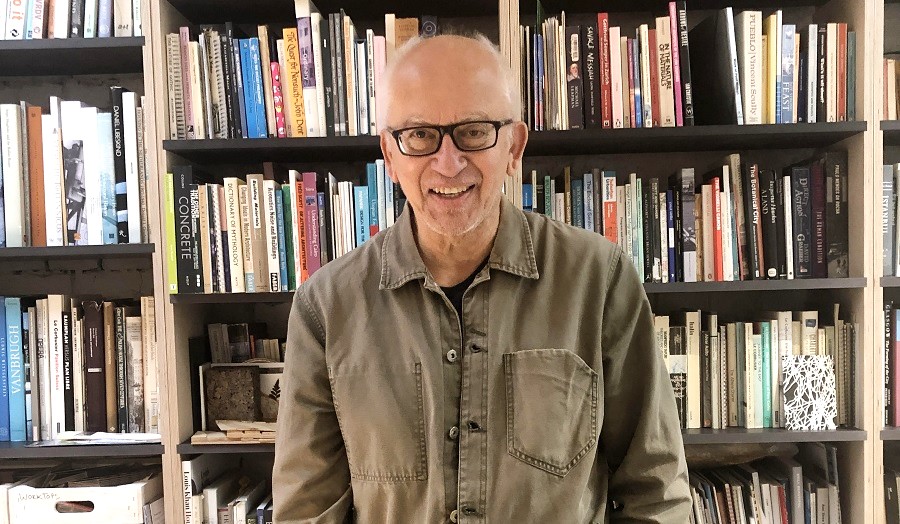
x=18, y=450
x=181, y=317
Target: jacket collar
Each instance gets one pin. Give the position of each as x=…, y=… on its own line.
x=513, y=250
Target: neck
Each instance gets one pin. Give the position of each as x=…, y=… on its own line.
x=451, y=259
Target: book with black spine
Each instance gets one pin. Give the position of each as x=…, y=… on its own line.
x=678, y=370
x=801, y=221
x=233, y=65
x=590, y=53
x=821, y=81
x=574, y=77
x=837, y=225
x=655, y=231
x=187, y=224
x=781, y=233
x=646, y=226
x=768, y=197
x=76, y=25
x=118, y=132
x=328, y=75
x=95, y=366
x=717, y=84
x=818, y=263
x=706, y=391
x=752, y=221
x=68, y=379
x=684, y=57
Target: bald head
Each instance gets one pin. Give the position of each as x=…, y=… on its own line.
x=447, y=74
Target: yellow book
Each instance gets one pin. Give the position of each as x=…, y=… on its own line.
x=291, y=84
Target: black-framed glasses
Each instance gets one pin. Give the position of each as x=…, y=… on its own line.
x=474, y=135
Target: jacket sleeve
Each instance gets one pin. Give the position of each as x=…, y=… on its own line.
x=640, y=435
x=311, y=477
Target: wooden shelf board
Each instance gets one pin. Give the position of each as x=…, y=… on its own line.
x=759, y=436
x=231, y=298
x=187, y=448
x=527, y=7
x=20, y=450
x=540, y=143
x=890, y=281
x=890, y=433
x=891, y=132
x=72, y=56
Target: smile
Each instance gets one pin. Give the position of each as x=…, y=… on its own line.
x=451, y=191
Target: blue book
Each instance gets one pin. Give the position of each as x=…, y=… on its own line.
x=577, y=203
x=786, y=98
x=589, y=201
x=4, y=382
x=636, y=68
x=390, y=212
x=239, y=76
x=361, y=213
x=767, y=362
x=282, y=250
x=15, y=369
x=527, y=198
x=247, y=80
x=258, y=127
x=670, y=225
x=372, y=185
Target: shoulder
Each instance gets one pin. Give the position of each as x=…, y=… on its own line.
x=567, y=248
x=356, y=272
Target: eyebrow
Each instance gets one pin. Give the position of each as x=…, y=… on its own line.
x=419, y=121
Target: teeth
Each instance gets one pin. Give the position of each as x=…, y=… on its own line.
x=449, y=190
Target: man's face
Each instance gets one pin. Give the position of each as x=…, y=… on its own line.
x=445, y=81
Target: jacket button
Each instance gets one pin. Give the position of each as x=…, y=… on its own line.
x=454, y=516
x=453, y=433
x=452, y=356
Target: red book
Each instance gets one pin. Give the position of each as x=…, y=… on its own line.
x=299, y=223
x=605, y=74
x=311, y=223
x=842, y=73
x=278, y=101
x=654, y=76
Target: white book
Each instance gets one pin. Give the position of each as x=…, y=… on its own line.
x=136, y=29
x=16, y=13
x=715, y=379
x=198, y=122
x=735, y=74
x=122, y=18
x=615, y=67
x=809, y=331
x=73, y=129
x=35, y=429
x=775, y=372
x=347, y=216
x=90, y=18
x=92, y=229
x=362, y=91
x=370, y=82
x=315, y=20
x=310, y=85
x=622, y=218
x=217, y=83
x=271, y=235
x=788, y=227
x=389, y=211
x=13, y=173
x=135, y=373
x=53, y=186
x=235, y=234
x=129, y=124
x=349, y=36
x=173, y=83
x=752, y=352
x=812, y=42
x=206, y=88
x=666, y=88
x=692, y=343
x=304, y=8
x=247, y=243
x=44, y=377
x=831, y=79
x=38, y=15
x=56, y=304
x=390, y=36
x=60, y=20
x=248, y=499
x=748, y=37
x=216, y=220
x=3, y=19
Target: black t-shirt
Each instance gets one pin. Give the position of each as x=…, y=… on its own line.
x=455, y=293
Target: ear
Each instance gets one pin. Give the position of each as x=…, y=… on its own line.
x=517, y=147
x=387, y=151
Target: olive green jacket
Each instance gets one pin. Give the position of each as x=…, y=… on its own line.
x=548, y=402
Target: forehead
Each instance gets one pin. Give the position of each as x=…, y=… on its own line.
x=446, y=81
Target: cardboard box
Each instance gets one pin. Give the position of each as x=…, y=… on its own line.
x=116, y=504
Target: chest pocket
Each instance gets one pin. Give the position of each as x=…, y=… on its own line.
x=553, y=408
x=382, y=420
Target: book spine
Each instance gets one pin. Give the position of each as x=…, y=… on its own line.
x=326, y=59
x=95, y=371
x=768, y=214
x=818, y=257
x=851, y=76
x=4, y=382
x=837, y=224
x=751, y=196
x=258, y=127
x=821, y=83
x=67, y=371
x=638, y=82
x=233, y=77
x=134, y=377
x=187, y=221
x=287, y=210
x=887, y=220
x=16, y=14
x=12, y=174
x=119, y=164
x=121, y=373
x=14, y=377
x=271, y=236
x=90, y=18
x=590, y=50
x=308, y=76
x=786, y=100
x=574, y=85
x=278, y=100
x=132, y=177
x=812, y=62
x=689, y=238
x=801, y=221
x=605, y=72
x=841, y=76
x=655, y=232
x=787, y=193
x=249, y=257
x=706, y=386
x=655, y=80
x=235, y=233
x=685, y=64
x=666, y=79
x=299, y=228
x=282, y=253
x=644, y=59
x=76, y=14
x=296, y=119
x=676, y=64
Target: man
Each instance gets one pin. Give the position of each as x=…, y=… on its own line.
x=473, y=363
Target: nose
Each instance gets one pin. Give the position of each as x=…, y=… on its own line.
x=448, y=160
